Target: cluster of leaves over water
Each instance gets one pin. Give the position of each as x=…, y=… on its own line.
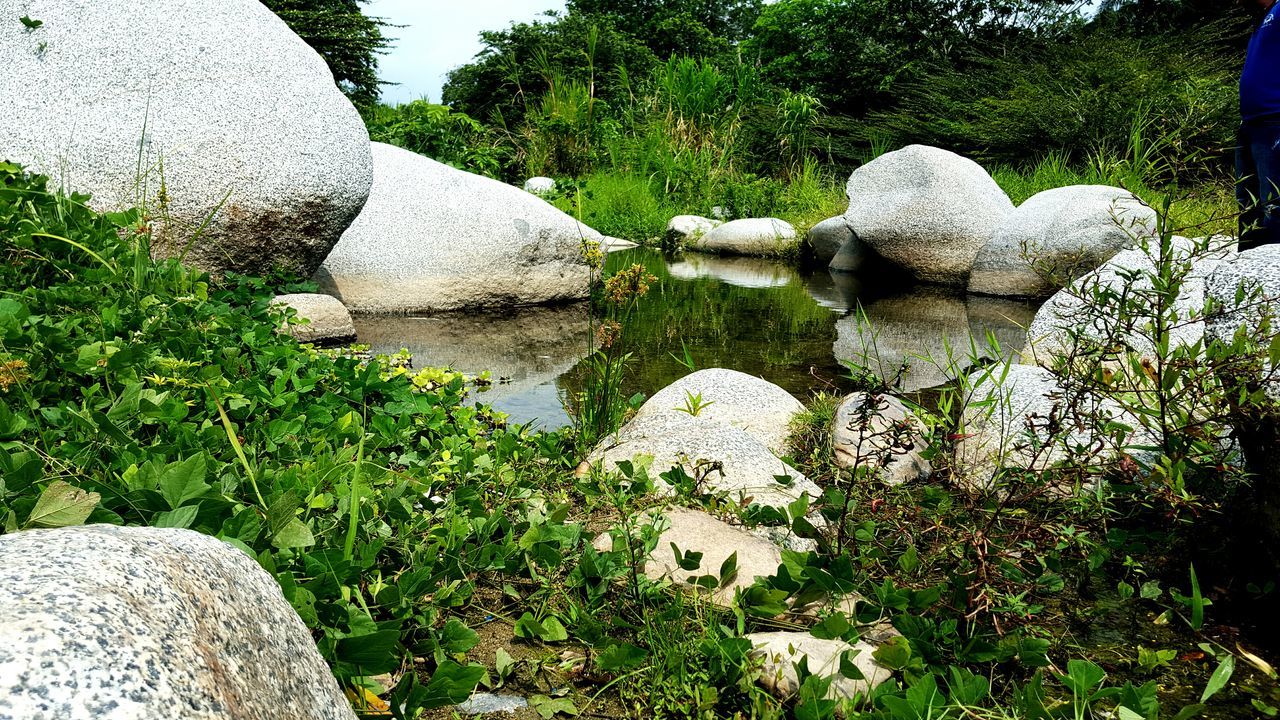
x=137, y=394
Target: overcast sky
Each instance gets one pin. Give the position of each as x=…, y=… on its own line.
x=439, y=35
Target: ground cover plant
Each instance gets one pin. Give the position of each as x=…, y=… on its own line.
x=432, y=548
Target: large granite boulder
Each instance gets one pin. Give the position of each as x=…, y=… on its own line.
x=319, y=319
x=882, y=434
x=1022, y=418
x=1057, y=236
x=102, y=621
x=1084, y=317
x=928, y=210
x=721, y=458
x=195, y=110
x=756, y=406
x=827, y=237
x=750, y=236
x=1245, y=293
x=435, y=238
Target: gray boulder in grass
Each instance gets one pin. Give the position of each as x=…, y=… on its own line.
x=882, y=434
x=101, y=621
x=1254, y=276
x=1057, y=236
x=215, y=101
x=751, y=236
x=927, y=210
x=433, y=237
x=782, y=651
x=686, y=229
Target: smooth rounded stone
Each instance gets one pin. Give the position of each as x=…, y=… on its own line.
x=484, y=703
x=745, y=272
x=1007, y=424
x=782, y=651
x=1256, y=273
x=540, y=185
x=686, y=229
x=760, y=408
x=433, y=237
x=1073, y=320
x=916, y=328
x=827, y=237
x=879, y=430
x=727, y=459
x=216, y=102
x=927, y=210
x=103, y=621
x=324, y=318
x=851, y=256
x=751, y=236
x=1057, y=236
x=522, y=349
x=697, y=532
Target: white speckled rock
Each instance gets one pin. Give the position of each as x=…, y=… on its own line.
x=757, y=406
x=435, y=238
x=728, y=459
x=1257, y=271
x=927, y=210
x=827, y=237
x=540, y=185
x=612, y=244
x=751, y=236
x=320, y=318
x=101, y=621
x=1007, y=409
x=783, y=650
x=1065, y=232
x=686, y=229
x=1074, y=319
x=886, y=435
x=234, y=106
x=696, y=531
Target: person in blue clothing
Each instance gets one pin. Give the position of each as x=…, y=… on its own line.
x=1258, y=154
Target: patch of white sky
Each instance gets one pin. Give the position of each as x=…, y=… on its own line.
x=437, y=36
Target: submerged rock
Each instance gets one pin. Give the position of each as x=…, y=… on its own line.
x=760, y=408
x=321, y=319
x=927, y=210
x=881, y=432
x=146, y=623
x=435, y=238
x=1057, y=236
x=752, y=236
x=782, y=651
x=218, y=102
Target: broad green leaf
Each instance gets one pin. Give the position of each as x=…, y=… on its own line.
x=184, y=480
x=62, y=505
x=182, y=517
x=295, y=534
x=620, y=656
x=1219, y=679
x=374, y=653
x=451, y=684
x=894, y=654
x=549, y=707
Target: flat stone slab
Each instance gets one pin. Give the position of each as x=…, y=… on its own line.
x=783, y=650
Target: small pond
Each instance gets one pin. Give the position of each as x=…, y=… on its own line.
x=790, y=325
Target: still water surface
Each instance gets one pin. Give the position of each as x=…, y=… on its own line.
x=790, y=325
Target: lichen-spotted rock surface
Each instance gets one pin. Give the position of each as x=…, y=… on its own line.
x=151, y=624
x=216, y=100
x=433, y=237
